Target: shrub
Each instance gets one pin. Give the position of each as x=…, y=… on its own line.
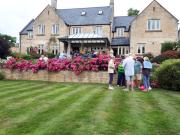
x=168, y=74
x=167, y=46
x=21, y=56
x=166, y=55
x=50, y=55
x=171, y=54
x=2, y=76
x=77, y=65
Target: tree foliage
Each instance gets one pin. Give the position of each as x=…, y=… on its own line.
x=5, y=44
x=10, y=40
x=133, y=12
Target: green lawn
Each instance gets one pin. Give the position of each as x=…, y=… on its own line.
x=42, y=108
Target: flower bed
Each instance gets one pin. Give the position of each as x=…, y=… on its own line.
x=77, y=65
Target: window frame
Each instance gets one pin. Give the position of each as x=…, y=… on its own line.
x=98, y=30
x=30, y=34
x=120, y=32
x=55, y=49
x=141, y=48
x=76, y=30
x=153, y=24
x=41, y=29
x=40, y=48
x=55, y=29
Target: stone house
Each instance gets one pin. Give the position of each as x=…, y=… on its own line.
x=96, y=28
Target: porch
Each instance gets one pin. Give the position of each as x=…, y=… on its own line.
x=90, y=41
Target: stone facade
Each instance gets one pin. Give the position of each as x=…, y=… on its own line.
x=63, y=76
x=138, y=33
x=152, y=39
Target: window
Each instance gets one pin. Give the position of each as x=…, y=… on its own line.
x=30, y=34
x=41, y=29
x=76, y=30
x=41, y=49
x=55, y=49
x=100, y=12
x=98, y=30
x=83, y=13
x=141, y=48
x=120, y=32
x=154, y=24
x=55, y=29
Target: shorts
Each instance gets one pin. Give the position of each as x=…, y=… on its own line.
x=129, y=78
x=138, y=76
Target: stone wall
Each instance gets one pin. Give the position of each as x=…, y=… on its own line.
x=63, y=76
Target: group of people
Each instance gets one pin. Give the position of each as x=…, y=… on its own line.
x=131, y=71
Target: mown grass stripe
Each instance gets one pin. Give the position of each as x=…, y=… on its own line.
x=80, y=116
x=119, y=114
x=47, y=126
x=170, y=110
x=154, y=117
x=7, y=84
x=20, y=106
x=34, y=116
x=9, y=94
x=30, y=92
x=13, y=87
x=97, y=121
x=136, y=110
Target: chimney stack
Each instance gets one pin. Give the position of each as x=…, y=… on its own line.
x=54, y=3
x=112, y=5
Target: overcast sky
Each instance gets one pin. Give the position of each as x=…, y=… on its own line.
x=15, y=14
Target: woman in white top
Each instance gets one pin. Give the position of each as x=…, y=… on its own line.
x=111, y=68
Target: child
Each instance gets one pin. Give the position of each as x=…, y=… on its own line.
x=121, y=75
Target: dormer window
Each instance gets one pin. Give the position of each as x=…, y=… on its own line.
x=100, y=12
x=120, y=32
x=83, y=13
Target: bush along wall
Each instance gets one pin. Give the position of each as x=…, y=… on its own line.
x=168, y=74
x=76, y=65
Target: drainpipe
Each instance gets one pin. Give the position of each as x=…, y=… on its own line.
x=20, y=43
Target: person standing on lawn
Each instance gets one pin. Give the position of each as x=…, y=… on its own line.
x=137, y=72
x=147, y=66
x=111, y=68
x=128, y=65
x=121, y=75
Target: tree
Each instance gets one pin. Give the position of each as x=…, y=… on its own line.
x=5, y=44
x=11, y=40
x=133, y=12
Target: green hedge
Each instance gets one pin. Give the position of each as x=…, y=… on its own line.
x=168, y=74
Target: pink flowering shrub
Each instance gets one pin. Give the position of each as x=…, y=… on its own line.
x=77, y=65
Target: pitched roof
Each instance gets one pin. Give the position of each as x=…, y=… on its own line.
x=124, y=41
x=91, y=17
x=27, y=28
x=160, y=6
x=122, y=21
